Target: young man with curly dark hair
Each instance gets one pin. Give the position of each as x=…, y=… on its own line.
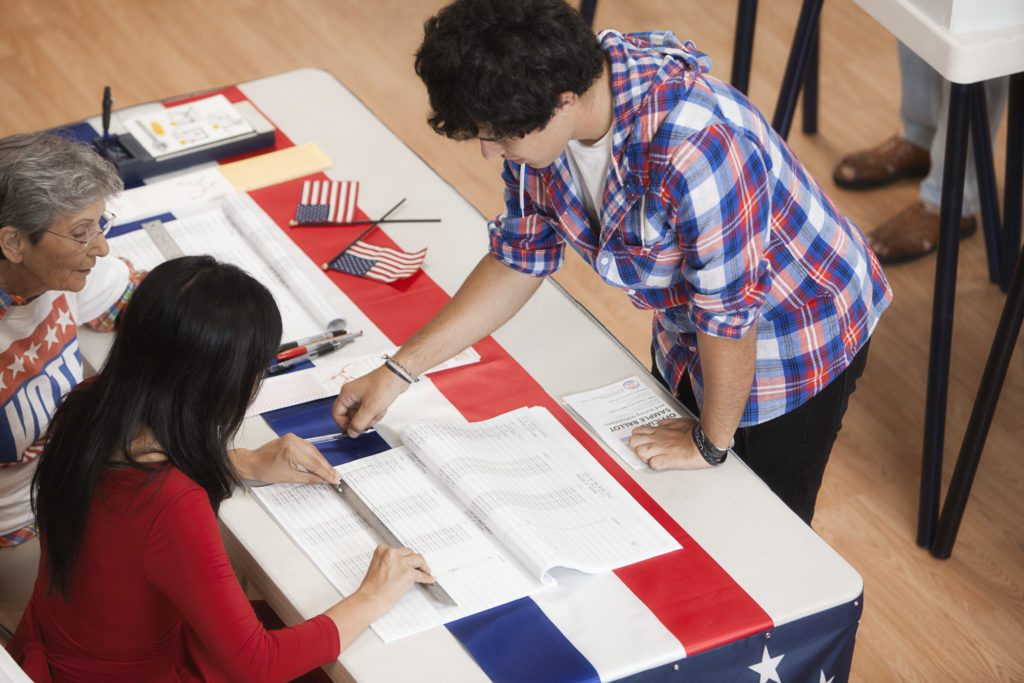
x=674, y=188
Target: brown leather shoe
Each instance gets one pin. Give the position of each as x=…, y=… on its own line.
x=893, y=159
x=912, y=233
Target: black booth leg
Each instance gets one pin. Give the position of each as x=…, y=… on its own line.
x=587, y=9
x=986, y=170
x=942, y=311
x=743, y=45
x=810, y=11
x=1013, y=180
x=981, y=415
x=810, y=100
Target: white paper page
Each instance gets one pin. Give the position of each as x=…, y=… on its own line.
x=357, y=367
x=462, y=553
x=339, y=543
x=211, y=233
x=256, y=227
x=289, y=389
x=614, y=411
x=137, y=247
x=314, y=383
x=173, y=194
x=465, y=558
x=540, y=492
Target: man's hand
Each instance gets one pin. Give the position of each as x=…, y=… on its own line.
x=667, y=446
x=287, y=459
x=363, y=402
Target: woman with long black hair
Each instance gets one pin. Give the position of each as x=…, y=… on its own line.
x=134, y=583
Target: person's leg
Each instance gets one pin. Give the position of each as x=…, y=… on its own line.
x=904, y=155
x=920, y=98
x=790, y=452
x=931, y=187
x=19, y=565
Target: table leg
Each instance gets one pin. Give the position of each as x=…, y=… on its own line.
x=942, y=310
x=743, y=45
x=810, y=11
x=986, y=170
x=981, y=415
x=1013, y=180
x=810, y=101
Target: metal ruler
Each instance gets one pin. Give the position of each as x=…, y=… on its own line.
x=162, y=239
x=349, y=495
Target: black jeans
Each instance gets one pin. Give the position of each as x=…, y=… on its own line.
x=790, y=452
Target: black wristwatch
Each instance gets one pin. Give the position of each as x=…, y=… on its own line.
x=711, y=453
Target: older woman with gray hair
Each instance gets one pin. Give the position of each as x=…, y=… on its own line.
x=56, y=274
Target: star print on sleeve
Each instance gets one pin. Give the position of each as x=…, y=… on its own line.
x=51, y=336
x=64, y=319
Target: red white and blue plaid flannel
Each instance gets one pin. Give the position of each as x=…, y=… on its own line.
x=710, y=220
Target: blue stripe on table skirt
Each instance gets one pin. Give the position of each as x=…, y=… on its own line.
x=307, y=420
x=516, y=642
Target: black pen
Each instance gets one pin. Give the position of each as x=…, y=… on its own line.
x=108, y=105
x=309, y=340
x=320, y=349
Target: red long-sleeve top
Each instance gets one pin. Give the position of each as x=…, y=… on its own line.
x=153, y=597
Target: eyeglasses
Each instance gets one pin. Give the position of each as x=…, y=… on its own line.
x=106, y=222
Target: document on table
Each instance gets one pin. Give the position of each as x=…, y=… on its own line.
x=172, y=194
x=493, y=506
x=232, y=232
x=614, y=411
x=314, y=383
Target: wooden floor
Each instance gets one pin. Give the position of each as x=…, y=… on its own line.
x=924, y=620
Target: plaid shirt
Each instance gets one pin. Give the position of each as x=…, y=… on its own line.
x=710, y=220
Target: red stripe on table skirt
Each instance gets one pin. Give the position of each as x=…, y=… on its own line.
x=696, y=600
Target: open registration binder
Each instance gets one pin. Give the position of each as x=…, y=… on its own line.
x=231, y=227
x=494, y=507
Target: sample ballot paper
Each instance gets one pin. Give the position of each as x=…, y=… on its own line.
x=614, y=411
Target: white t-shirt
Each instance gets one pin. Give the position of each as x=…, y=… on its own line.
x=589, y=166
x=39, y=363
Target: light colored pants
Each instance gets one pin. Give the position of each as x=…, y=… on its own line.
x=18, y=568
x=924, y=108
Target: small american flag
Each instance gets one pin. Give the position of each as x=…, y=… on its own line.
x=378, y=263
x=327, y=200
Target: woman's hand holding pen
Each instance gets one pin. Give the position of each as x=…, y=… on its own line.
x=287, y=459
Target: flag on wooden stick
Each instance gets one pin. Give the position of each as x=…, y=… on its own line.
x=327, y=200
x=378, y=263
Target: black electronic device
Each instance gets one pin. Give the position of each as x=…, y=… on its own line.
x=135, y=164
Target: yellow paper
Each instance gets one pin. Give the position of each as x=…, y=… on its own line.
x=275, y=167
